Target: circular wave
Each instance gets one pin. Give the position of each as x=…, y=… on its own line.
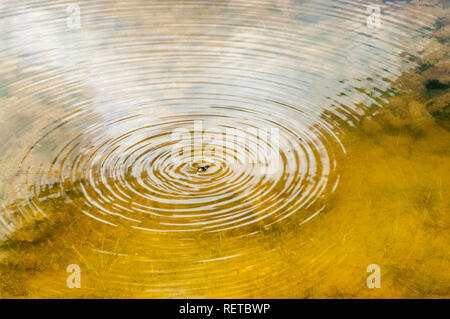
x=109, y=118
x=185, y=173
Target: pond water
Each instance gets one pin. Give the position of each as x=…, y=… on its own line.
x=243, y=149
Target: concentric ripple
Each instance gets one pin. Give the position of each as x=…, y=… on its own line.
x=189, y=117
x=260, y=168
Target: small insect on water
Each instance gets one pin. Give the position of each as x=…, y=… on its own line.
x=202, y=168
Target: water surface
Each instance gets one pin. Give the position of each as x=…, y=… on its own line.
x=88, y=118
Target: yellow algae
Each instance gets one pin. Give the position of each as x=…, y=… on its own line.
x=391, y=209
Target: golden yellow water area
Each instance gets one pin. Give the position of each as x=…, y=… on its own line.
x=390, y=209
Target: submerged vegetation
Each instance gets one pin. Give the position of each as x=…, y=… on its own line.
x=429, y=83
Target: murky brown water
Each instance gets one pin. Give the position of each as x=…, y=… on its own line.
x=222, y=149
